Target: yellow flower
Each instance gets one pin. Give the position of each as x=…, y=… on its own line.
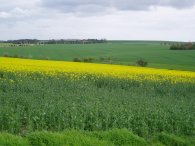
x=81, y=70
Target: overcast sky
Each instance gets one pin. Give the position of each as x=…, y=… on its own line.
x=110, y=19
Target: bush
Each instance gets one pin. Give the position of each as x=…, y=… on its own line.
x=141, y=63
x=106, y=59
x=89, y=59
x=77, y=60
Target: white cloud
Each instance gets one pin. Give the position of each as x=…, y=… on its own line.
x=4, y=15
x=165, y=20
x=7, y=5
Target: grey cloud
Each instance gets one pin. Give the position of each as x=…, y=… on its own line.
x=17, y=10
x=84, y=6
x=69, y=6
x=7, y=5
x=14, y=15
x=48, y=19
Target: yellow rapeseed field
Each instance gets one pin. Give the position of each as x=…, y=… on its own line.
x=83, y=69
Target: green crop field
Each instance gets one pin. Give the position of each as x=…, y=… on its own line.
x=115, y=52
x=56, y=103
x=155, y=112
x=2, y=45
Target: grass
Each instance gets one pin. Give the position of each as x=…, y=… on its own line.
x=115, y=137
x=115, y=52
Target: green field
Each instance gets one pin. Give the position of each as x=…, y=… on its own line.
x=36, y=102
x=116, y=52
x=72, y=109
x=2, y=45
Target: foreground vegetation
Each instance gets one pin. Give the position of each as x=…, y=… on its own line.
x=114, y=137
x=156, y=54
x=156, y=105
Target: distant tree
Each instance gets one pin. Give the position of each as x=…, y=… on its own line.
x=141, y=62
x=183, y=46
x=77, y=60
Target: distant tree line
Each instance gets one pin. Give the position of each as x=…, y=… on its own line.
x=61, y=41
x=24, y=41
x=183, y=46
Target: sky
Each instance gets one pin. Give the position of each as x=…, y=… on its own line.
x=172, y=20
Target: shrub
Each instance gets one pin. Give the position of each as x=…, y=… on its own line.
x=106, y=59
x=141, y=63
x=85, y=59
x=77, y=60
x=102, y=59
x=89, y=59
